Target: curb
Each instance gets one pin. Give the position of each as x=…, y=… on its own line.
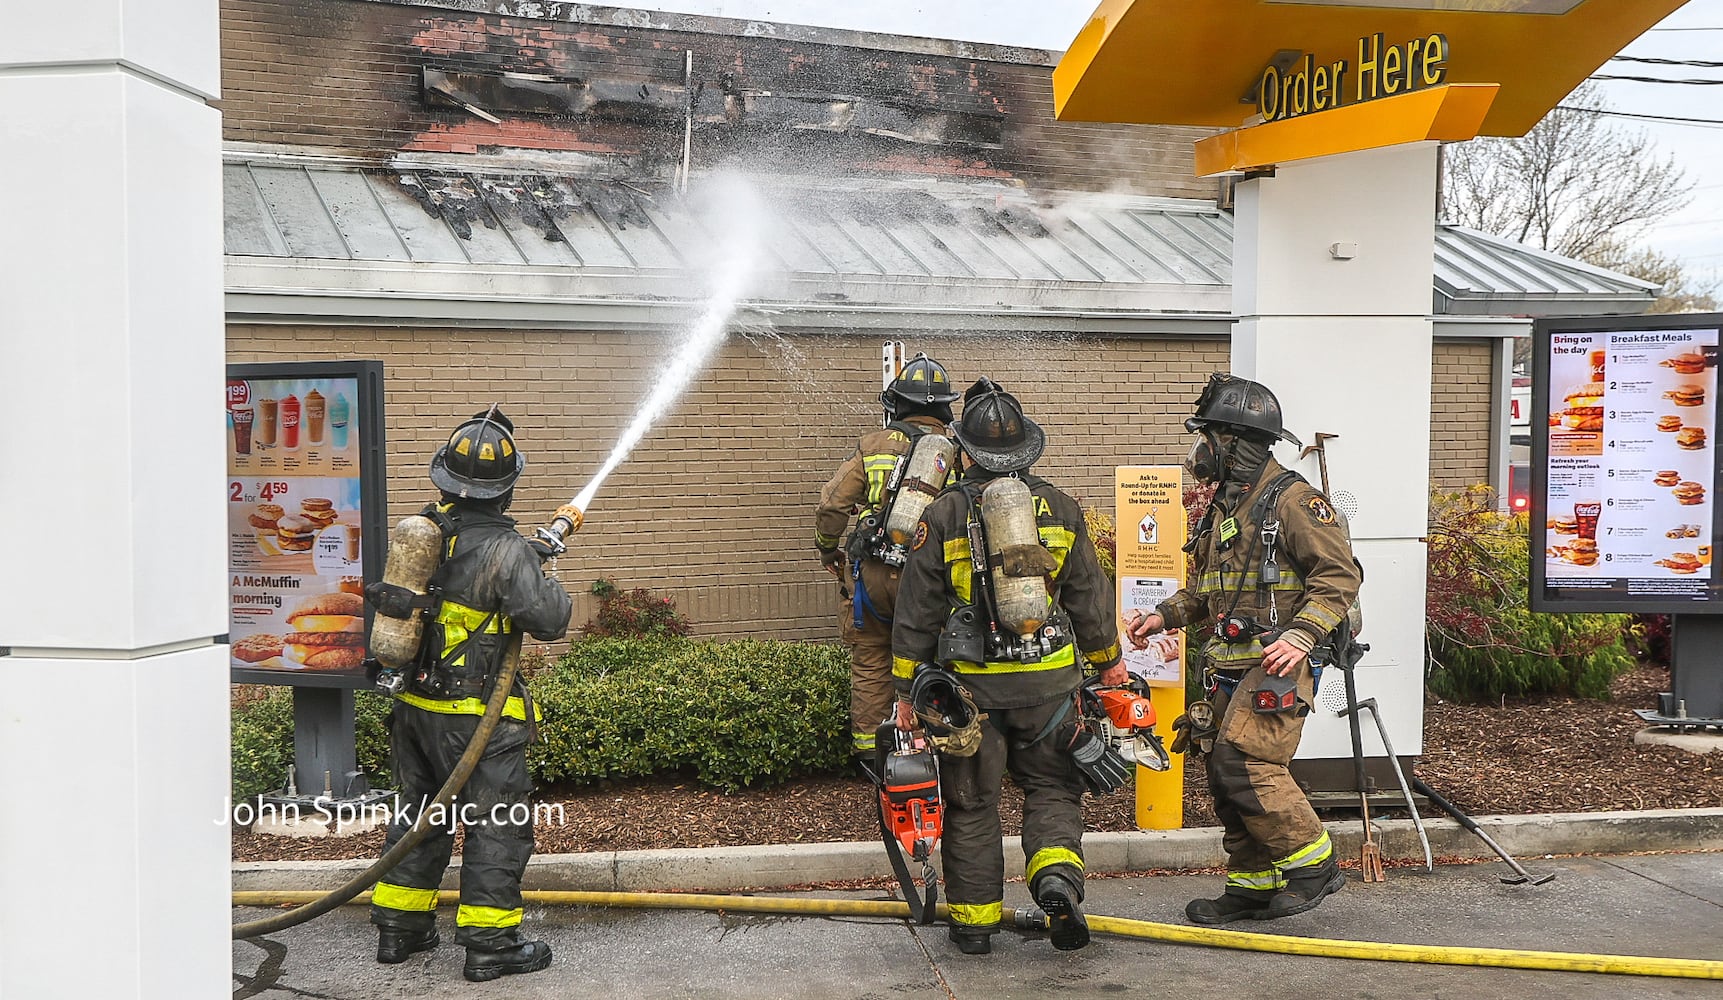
x=778, y=865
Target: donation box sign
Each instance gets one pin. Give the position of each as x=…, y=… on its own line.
x=306, y=518
x=1624, y=464
x=1149, y=538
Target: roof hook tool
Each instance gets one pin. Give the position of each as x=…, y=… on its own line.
x=1520, y=876
x=1370, y=865
x=1411, y=807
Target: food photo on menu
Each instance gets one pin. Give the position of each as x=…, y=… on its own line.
x=1630, y=457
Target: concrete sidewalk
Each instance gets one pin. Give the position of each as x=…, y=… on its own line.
x=776, y=866
x=1664, y=905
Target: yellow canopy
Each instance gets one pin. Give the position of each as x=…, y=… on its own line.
x=1196, y=62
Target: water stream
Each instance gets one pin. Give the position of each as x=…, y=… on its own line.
x=732, y=211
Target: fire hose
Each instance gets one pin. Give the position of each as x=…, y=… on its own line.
x=567, y=521
x=1032, y=919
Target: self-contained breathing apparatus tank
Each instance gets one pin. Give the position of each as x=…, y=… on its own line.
x=398, y=627
x=917, y=478
x=1016, y=558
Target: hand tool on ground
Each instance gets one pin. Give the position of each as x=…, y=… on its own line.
x=1411, y=807
x=1520, y=876
x=1370, y=864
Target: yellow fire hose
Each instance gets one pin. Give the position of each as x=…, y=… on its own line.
x=1499, y=958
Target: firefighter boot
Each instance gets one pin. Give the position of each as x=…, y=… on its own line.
x=1305, y=888
x=1235, y=903
x=1059, y=898
x=395, y=945
x=524, y=956
x=972, y=940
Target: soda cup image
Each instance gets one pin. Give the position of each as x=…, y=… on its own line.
x=1704, y=555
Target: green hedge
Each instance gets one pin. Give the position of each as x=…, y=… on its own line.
x=734, y=713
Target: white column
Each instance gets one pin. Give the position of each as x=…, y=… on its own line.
x=113, y=739
x=1342, y=335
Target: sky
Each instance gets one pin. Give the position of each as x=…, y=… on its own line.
x=1694, y=235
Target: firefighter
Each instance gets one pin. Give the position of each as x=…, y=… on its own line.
x=491, y=584
x=917, y=402
x=948, y=616
x=1274, y=575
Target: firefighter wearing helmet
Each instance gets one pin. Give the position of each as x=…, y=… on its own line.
x=1003, y=589
x=873, y=484
x=1274, y=576
x=488, y=582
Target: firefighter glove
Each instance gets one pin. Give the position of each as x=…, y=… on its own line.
x=833, y=559
x=1103, y=769
x=543, y=549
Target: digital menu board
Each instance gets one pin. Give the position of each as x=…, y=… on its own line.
x=1624, y=464
x=305, y=516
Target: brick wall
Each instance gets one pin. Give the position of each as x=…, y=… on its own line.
x=341, y=73
x=715, y=507
x=1460, y=413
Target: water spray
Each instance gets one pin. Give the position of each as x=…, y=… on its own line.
x=737, y=213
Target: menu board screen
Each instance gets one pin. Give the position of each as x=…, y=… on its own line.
x=1625, y=465
x=305, y=518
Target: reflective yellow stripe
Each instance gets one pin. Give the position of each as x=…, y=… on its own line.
x=901, y=667
x=401, y=897
x=514, y=708
x=1229, y=580
x=1103, y=657
x=1318, y=852
x=977, y=914
x=486, y=916
x=827, y=542
x=1052, y=856
x=1260, y=881
x=1319, y=616
x=471, y=618
x=863, y=741
x=879, y=469
x=1062, y=658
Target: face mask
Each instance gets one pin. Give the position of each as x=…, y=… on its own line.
x=1205, y=461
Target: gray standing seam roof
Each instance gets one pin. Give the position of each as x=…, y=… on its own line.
x=977, y=245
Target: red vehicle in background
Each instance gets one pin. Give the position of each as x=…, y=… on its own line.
x=1519, y=496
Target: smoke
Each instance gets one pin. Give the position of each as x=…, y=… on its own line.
x=731, y=210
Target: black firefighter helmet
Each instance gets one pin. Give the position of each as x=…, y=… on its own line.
x=993, y=430
x=921, y=382
x=480, y=462
x=1241, y=405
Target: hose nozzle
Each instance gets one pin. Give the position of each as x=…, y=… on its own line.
x=566, y=521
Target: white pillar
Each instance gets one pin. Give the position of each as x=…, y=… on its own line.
x=1343, y=337
x=113, y=739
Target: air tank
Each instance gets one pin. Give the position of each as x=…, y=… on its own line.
x=924, y=473
x=1008, y=514
x=415, y=547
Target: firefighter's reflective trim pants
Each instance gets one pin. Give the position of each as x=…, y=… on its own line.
x=1270, y=826
x=872, y=694
x=1052, y=811
x=497, y=818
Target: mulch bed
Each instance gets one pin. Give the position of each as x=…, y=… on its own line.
x=1531, y=756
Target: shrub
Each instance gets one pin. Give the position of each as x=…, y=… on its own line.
x=1484, y=643
x=1102, y=533
x=636, y=613
x=736, y=713
x=262, y=727
x=733, y=713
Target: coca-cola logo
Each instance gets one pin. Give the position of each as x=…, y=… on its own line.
x=238, y=392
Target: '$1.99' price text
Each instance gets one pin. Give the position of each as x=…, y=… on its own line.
x=259, y=492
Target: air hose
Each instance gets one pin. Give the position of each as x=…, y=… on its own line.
x=1031, y=919
x=316, y=905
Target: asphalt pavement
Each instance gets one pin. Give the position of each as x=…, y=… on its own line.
x=1665, y=905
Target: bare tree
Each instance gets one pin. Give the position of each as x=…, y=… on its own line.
x=1574, y=185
